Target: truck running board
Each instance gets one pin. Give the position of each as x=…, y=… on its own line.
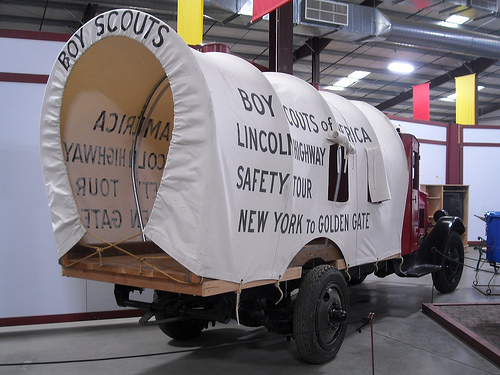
x=420, y=270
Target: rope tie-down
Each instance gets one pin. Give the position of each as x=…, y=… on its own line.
x=143, y=260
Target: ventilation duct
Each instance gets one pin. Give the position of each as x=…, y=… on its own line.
x=228, y=6
x=222, y=10
x=319, y=17
x=437, y=37
x=367, y=24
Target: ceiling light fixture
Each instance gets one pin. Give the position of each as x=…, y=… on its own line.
x=450, y=98
x=453, y=97
x=350, y=80
x=457, y=19
x=345, y=82
x=334, y=88
x=359, y=74
x=448, y=24
x=400, y=67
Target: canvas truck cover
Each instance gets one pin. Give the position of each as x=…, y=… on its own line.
x=228, y=170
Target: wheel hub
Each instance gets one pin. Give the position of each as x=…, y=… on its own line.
x=330, y=315
x=337, y=316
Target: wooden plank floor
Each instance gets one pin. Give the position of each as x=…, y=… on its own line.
x=156, y=271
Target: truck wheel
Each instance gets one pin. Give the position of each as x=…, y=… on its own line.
x=320, y=309
x=447, y=278
x=356, y=279
x=181, y=329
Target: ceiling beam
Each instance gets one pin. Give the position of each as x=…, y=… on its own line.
x=281, y=39
x=34, y=22
x=485, y=111
x=312, y=45
x=90, y=12
x=306, y=64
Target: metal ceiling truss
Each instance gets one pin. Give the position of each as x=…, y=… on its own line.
x=388, y=91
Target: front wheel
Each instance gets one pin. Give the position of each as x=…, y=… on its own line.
x=320, y=309
x=447, y=278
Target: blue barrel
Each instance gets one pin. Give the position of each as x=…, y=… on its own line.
x=493, y=236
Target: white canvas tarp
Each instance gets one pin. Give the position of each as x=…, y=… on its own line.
x=231, y=167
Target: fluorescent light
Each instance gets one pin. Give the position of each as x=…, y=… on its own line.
x=334, y=88
x=453, y=97
x=450, y=98
x=345, y=82
x=448, y=24
x=400, y=67
x=459, y=20
x=350, y=80
x=358, y=74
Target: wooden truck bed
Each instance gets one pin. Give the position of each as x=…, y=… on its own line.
x=149, y=267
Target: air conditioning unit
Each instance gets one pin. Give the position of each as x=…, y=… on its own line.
x=325, y=11
x=319, y=17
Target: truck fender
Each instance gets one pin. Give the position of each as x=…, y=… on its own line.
x=444, y=226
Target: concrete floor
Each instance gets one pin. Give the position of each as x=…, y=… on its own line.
x=405, y=341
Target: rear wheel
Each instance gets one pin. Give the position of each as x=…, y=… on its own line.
x=356, y=279
x=447, y=278
x=320, y=309
x=178, y=329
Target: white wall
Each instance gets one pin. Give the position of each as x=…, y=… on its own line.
x=481, y=154
x=30, y=277
x=432, y=156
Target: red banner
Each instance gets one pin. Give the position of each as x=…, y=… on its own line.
x=421, y=102
x=263, y=7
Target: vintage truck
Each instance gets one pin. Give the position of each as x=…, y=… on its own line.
x=232, y=193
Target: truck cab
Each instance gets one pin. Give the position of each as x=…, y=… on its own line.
x=416, y=221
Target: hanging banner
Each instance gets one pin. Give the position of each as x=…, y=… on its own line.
x=190, y=21
x=421, y=102
x=466, y=89
x=263, y=7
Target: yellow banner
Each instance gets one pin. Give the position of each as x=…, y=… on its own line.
x=466, y=89
x=190, y=21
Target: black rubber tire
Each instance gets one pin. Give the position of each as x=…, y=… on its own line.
x=182, y=329
x=322, y=289
x=356, y=279
x=447, y=278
